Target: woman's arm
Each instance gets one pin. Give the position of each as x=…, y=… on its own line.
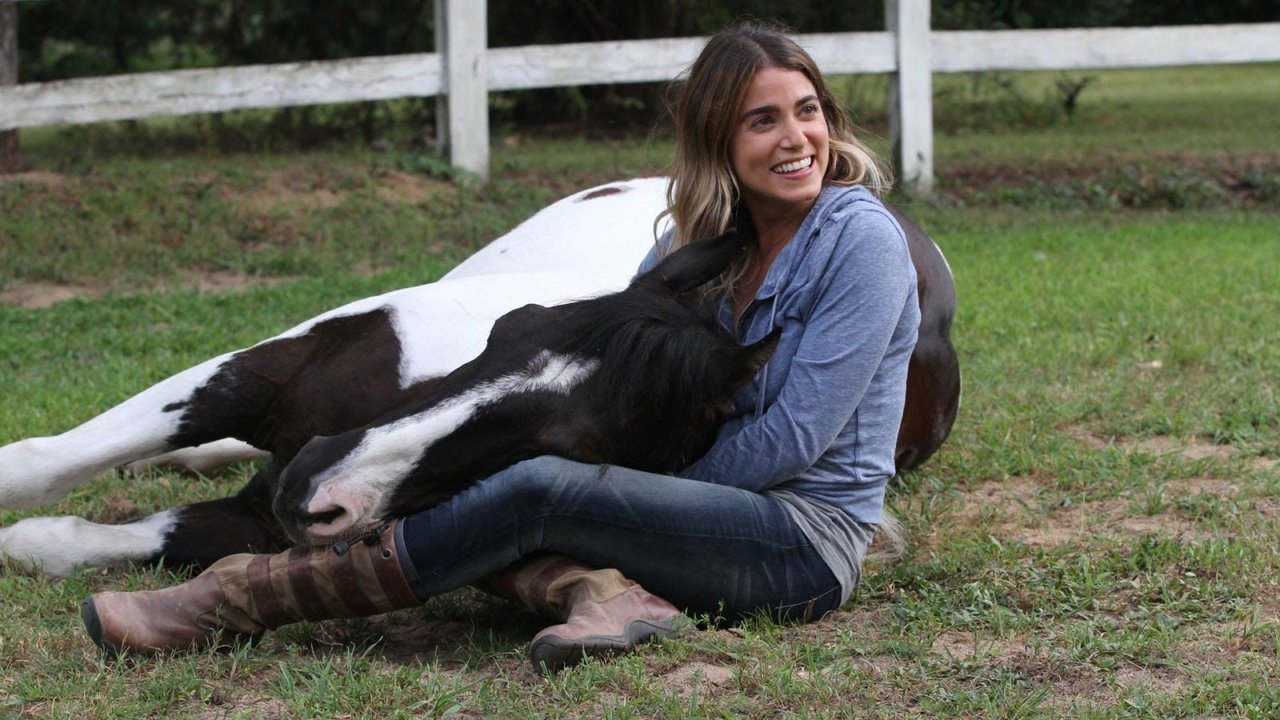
x=861, y=295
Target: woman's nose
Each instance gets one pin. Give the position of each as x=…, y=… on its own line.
x=792, y=134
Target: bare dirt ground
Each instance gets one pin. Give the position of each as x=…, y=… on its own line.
x=38, y=295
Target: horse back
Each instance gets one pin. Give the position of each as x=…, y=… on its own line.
x=933, y=374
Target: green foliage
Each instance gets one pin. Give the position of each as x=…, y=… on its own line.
x=1132, y=186
x=74, y=39
x=1008, y=14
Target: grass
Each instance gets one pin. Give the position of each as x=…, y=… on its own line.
x=1096, y=540
x=1005, y=117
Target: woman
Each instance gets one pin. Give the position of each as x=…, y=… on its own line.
x=777, y=516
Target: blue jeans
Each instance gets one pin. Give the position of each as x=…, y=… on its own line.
x=705, y=547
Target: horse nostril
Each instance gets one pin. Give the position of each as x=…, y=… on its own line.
x=322, y=518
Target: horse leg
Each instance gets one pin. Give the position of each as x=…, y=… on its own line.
x=230, y=396
x=206, y=531
x=192, y=535
x=58, y=546
x=41, y=470
x=201, y=458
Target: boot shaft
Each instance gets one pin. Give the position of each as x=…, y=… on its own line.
x=243, y=595
x=320, y=583
x=527, y=581
x=580, y=586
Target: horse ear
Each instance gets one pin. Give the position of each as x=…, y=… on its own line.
x=747, y=360
x=697, y=263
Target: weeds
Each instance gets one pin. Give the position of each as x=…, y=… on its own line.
x=1000, y=100
x=1138, y=186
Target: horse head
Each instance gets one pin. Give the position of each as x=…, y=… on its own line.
x=641, y=378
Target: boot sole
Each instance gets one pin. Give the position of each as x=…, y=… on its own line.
x=553, y=653
x=93, y=625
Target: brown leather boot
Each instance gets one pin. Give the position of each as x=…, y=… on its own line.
x=605, y=613
x=241, y=596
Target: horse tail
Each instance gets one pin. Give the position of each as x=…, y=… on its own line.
x=890, y=542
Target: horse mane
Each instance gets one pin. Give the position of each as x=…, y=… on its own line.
x=656, y=356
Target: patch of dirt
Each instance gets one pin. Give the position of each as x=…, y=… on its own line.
x=120, y=509
x=41, y=295
x=1159, y=445
x=298, y=189
x=281, y=192
x=37, y=177
x=704, y=679
x=1070, y=684
x=966, y=645
x=222, y=706
x=1092, y=691
x=1026, y=510
x=396, y=187
x=286, y=189
x=1160, y=181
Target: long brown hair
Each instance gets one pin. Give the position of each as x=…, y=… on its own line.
x=703, y=194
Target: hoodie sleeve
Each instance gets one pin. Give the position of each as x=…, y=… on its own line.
x=854, y=306
x=656, y=253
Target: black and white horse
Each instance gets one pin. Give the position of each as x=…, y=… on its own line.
x=350, y=404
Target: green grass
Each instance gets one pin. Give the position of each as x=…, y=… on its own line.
x=1058, y=568
x=1097, y=539
x=1007, y=117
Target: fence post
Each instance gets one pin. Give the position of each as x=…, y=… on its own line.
x=9, y=149
x=911, y=93
x=462, y=109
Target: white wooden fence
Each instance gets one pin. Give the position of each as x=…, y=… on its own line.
x=464, y=71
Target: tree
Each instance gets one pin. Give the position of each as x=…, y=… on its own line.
x=10, y=156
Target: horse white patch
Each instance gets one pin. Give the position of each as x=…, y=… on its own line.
x=361, y=481
x=551, y=372
x=59, y=546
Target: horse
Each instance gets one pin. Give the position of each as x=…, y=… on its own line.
x=390, y=357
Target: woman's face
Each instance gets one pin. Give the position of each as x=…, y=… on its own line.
x=779, y=147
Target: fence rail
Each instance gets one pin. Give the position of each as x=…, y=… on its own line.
x=464, y=71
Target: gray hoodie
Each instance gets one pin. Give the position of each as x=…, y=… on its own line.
x=818, y=425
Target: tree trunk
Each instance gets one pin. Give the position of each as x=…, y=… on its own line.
x=9, y=150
